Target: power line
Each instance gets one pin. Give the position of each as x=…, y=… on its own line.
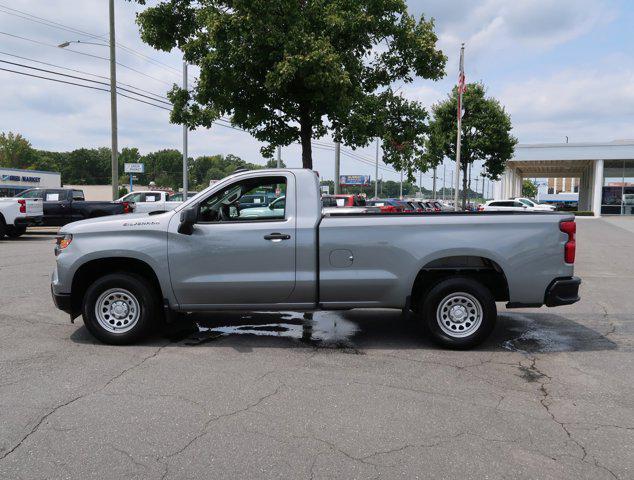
x=80, y=85
x=81, y=71
x=85, y=54
x=50, y=23
x=83, y=79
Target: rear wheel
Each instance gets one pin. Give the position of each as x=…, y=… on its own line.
x=459, y=312
x=15, y=232
x=120, y=308
x=3, y=227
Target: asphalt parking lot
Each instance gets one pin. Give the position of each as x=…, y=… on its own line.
x=356, y=394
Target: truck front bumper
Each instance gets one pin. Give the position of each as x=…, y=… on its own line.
x=562, y=291
x=62, y=301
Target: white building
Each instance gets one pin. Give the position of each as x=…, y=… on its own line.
x=605, y=172
x=14, y=181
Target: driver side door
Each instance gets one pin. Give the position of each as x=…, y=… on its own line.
x=235, y=261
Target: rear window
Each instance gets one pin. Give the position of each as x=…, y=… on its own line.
x=33, y=193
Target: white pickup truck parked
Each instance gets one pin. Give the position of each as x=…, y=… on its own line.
x=18, y=213
x=150, y=201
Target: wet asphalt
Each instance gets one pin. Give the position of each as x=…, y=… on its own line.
x=357, y=394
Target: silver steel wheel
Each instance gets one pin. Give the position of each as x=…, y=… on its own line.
x=117, y=310
x=459, y=314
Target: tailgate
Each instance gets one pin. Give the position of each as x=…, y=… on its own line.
x=34, y=207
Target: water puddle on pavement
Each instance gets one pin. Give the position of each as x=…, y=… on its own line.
x=537, y=339
x=320, y=329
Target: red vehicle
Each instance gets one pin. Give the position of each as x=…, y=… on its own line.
x=343, y=200
x=386, y=206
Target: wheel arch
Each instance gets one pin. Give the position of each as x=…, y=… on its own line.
x=480, y=267
x=87, y=273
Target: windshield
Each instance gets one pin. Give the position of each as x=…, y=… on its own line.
x=527, y=202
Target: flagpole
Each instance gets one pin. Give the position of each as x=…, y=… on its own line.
x=458, y=133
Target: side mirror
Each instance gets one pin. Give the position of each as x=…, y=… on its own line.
x=189, y=217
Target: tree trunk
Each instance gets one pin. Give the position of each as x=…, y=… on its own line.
x=465, y=169
x=306, y=135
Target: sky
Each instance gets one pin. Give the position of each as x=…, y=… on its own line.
x=561, y=68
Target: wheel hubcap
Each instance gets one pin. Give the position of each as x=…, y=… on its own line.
x=117, y=310
x=459, y=314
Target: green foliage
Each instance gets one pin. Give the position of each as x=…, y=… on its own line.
x=296, y=70
x=92, y=166
x=529, y=188
x=486, y=132
x=122, y=191
x=15, y=151
x=272, y=163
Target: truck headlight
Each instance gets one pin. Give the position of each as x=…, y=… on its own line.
x=61, y=242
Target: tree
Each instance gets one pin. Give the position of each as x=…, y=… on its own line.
x=529, y=188
x=296, y=70
x=272, y=163
x=206, y=168
x=15, y=151
x=486, y=133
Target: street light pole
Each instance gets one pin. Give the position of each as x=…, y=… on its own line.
x=113, y=107
x=185, y=159
x=279, y=156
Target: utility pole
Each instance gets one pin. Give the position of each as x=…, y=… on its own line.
x=400, y=194
x=444, y=173
x=279, y=156
x=376, y=171
x=113, y=107
x=451, y=183
x=461, y=86
x=337, y=165
x=185, y=169
x=420, y=183
x=434, y=185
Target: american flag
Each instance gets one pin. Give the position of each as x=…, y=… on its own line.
x=461, y=82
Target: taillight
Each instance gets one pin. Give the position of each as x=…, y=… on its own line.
x=126, y=207
x=570, y=228
x=480, y=208
x=22, y=206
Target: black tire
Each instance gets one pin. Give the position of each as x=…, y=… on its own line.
x=466, y=309
x=15, y=232
x=136, y=290
x=3, y=227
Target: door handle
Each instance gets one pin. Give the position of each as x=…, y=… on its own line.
x=277, y=237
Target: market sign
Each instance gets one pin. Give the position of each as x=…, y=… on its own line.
x=354, y=180
x=18, y=178
x=134, y=168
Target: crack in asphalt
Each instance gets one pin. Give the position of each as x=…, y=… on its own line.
x=165, y=460
x=42, y=419
x=537, y=374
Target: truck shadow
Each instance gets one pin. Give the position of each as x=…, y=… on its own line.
x=356, y=330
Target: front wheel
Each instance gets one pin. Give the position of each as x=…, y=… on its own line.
x=459, y=312
x=120, y=308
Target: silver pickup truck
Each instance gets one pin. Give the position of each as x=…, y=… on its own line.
x=127, y=274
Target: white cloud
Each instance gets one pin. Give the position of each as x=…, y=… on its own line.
x=585, y=104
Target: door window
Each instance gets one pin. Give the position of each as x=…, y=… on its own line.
x=224, y=206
